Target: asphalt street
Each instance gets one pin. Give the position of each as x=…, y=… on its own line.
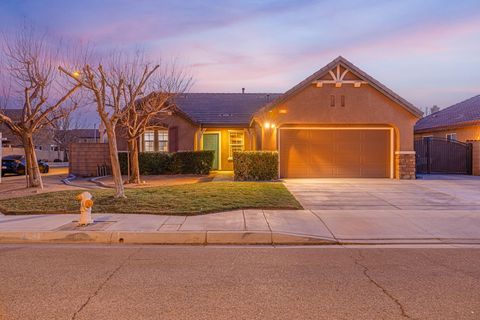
x=161, y=282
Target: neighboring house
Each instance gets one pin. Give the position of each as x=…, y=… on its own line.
x=84, y=135
x=459, y=122
x=63, y=138
x=45, y=146
x=339, y=122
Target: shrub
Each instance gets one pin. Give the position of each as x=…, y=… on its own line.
x=122, y=158
x=255, y=165
x=194, y=162
x=188, y=162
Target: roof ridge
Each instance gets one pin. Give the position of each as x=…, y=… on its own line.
x=453, y=105
x=464, y=111
x=356, y=70
x=450, y=107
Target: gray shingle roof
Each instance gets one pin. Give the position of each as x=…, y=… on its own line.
x=462, y=113
x=223, y=108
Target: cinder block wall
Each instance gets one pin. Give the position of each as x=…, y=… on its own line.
x=86, y=157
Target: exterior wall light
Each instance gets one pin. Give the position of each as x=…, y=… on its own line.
x=267, y=125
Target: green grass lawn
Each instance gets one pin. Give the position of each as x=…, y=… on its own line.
x=187, y=199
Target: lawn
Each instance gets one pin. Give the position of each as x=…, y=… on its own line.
x=189, y=199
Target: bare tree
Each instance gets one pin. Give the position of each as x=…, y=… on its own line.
x=65, y=131
x=114, y=84
x=167, y=82
x=28, y=61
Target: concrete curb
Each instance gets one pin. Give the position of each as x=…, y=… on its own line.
x=175, y=237
x=203, y=238
x=68, y=180
x=96, y=181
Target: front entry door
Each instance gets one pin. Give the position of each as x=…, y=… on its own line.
x=211, y=142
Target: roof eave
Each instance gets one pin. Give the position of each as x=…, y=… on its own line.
x=225, y=125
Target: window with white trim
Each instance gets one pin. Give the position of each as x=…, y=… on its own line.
x=451, y=137
x=149, y=141
x=163, y=140
x=236, y=142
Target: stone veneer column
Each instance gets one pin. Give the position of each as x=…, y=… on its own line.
x=405, y=165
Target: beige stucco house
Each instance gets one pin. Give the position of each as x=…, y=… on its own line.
x=338, y=122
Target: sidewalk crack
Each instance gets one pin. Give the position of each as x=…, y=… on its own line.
x=365, y=272
x=100, y=287
x=244, y=221
x=324, y=223
x=268, y=225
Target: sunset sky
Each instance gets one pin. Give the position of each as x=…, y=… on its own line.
x=427, y=51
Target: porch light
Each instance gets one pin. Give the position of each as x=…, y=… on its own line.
x=267, y=125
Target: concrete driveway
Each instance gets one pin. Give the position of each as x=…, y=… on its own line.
x=436, y=208
x=439, y=192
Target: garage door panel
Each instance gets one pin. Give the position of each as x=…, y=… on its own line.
x=326, y=171
x=334, y=153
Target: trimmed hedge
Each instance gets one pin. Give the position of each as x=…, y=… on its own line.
x=255, y=165
x=185, y=162
x=194, y=162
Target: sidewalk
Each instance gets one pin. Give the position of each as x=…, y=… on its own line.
x=267, y=227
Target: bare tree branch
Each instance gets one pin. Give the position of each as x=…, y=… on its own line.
x=28, y=60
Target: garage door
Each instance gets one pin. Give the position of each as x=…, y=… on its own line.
x=335, y=153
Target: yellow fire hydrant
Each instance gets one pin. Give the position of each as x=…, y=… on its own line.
x=86, y=204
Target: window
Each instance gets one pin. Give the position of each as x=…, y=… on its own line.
x=53, y=147
x=149, y=141
x=163, y=140
x=155, y=140
x=236, y=143
x=451, y=136
x=342, y=101
x=425, y=138
x=332, y=100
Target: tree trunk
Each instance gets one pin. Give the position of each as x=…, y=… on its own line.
x=65, y=155
x=134, y=165
x=31, y=166
x=116, y=172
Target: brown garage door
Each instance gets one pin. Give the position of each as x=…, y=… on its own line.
x=313, y=153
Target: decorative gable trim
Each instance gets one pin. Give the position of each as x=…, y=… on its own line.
x=338, y=78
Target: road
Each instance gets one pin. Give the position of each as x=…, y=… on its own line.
x=158, y=282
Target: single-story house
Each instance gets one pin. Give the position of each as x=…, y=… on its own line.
x=460, y=122
x=46, y=148
x=338, y=122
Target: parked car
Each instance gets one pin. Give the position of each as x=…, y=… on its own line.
x=16, y=164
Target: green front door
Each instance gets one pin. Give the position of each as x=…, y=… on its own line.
x=211, y=142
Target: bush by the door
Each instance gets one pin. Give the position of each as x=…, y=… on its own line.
x=255, y=165
x=185, y=162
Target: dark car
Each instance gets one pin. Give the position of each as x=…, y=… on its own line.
x=16, y=164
